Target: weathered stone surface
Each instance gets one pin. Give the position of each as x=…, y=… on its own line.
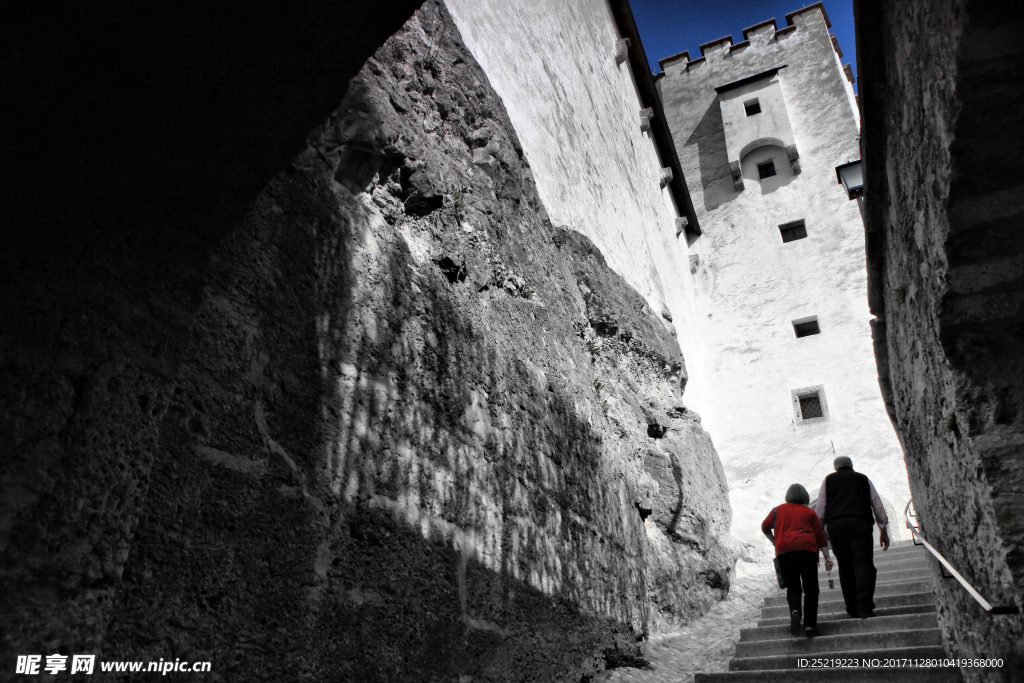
x=944, y=247
x=396, y=446
x=132, y=158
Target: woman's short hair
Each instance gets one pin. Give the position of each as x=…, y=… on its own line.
x=797, y=494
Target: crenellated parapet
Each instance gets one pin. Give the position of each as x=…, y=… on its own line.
x=763, y=32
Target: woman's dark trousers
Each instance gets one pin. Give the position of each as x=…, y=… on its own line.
x=801, y=566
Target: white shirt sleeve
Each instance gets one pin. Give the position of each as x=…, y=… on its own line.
x=877, y=507
x=819, y=505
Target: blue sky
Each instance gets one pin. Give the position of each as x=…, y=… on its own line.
x=671, y=26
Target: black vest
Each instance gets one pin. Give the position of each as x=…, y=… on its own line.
x=847, y=494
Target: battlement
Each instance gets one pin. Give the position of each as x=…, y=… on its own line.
x=817, y=5
x=710, y=44
x=685, y=54
x=765, y=31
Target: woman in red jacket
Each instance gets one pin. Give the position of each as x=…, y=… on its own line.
x=798, y=537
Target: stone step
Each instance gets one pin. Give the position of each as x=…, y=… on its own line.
x=914, y=565
x=880, y=579
x=844, y=642
x=898, y=622
x=904, y=561
x=881, y=590
x=832, y=601
x=898, y=560
x=851, y=675
x=791, y=660
x=906, y=564
x=890, y=563
x=899, y=549
x=893, y=564
x=925, y=607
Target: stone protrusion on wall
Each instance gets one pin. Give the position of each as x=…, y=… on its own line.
x=835, y=45
x=794, y=158
x=681, y=223
x=665, y=177
x=848, y=70
x=621, y=50
x=646, y=115
x=737, y=175
x=694, y=263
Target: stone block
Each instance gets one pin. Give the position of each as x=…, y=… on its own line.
x=621, y=50
x=665, y=177
x=646, y=115
x=681, y=223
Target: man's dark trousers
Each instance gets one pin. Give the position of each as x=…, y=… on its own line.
x=852, y=544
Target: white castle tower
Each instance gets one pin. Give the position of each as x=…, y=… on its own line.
x=786, y=374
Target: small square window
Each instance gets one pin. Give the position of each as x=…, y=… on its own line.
x=805, y=327
x=766, y=170
x=752, y=107
x=793, y=231
x=809, y=405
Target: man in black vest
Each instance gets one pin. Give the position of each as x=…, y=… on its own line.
x=847, y=505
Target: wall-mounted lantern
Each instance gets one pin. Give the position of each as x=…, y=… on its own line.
x=851, y=177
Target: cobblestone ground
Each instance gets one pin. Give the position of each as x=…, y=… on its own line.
x=706, y=644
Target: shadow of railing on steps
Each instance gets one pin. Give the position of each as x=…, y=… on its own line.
x=911, y=516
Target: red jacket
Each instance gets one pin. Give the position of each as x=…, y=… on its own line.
x=797, y=527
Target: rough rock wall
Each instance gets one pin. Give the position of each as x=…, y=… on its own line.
x=121, y=178
x=944, y=260
x=418, y=433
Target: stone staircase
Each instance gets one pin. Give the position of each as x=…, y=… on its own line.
x=904, y=627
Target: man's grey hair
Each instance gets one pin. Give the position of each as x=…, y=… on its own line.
x=842, y=461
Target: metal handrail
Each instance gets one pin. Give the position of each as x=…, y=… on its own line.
x=986, y=605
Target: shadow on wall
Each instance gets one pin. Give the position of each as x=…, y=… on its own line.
x=716, y=179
